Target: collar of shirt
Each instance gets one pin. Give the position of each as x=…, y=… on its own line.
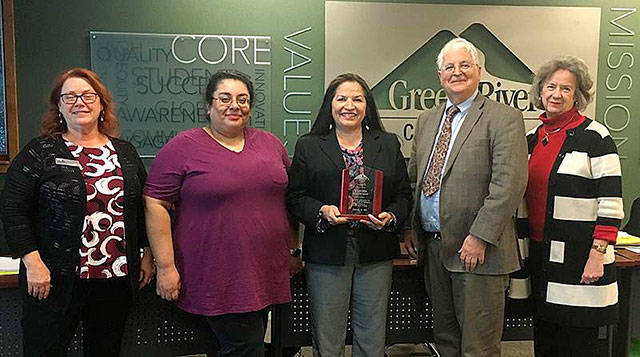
x=429, y=206
x=456, y=123
x=464, y=108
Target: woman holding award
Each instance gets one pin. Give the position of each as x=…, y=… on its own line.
x=348, y=259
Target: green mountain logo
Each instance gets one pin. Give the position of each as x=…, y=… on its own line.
x=413, y=86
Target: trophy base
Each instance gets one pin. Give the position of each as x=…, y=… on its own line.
x=356, y=217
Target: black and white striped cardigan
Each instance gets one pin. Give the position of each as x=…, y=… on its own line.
x=585, y=190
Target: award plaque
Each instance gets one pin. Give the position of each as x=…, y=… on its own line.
x=362, y=194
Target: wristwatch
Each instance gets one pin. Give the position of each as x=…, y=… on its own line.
x=600, y=248
x=295, y=252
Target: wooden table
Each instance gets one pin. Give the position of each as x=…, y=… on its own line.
x=626, y=269
x=8, y=281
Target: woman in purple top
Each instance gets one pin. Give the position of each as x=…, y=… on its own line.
x=224, y=185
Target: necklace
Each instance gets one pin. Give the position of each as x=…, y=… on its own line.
x=547, y=134
x=349, y=141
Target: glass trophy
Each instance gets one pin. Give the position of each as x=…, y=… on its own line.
x=362, y=194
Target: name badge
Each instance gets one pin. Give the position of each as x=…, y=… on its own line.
x=67, y=162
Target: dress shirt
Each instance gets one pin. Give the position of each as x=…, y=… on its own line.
x=430, y=205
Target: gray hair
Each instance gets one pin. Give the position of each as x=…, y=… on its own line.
x=458, y=42
x=575, y=65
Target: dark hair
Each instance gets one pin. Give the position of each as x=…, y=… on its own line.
x=324, y=121
x=51, y=119
x=223, y=74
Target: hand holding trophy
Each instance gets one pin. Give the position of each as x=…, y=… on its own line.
x=361, y=195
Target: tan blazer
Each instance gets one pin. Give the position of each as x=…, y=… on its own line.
x=483, y=182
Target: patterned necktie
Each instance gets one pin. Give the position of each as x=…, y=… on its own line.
x=431, y=182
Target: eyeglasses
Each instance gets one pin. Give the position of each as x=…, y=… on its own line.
x=227, y=99
x=464, y=67
x=87, y=98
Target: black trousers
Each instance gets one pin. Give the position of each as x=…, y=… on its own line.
x=239, y=335
x=553, y=340
x=101, y=304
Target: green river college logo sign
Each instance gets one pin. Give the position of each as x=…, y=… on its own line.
x=413, y=86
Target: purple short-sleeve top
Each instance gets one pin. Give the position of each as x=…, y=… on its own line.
x=230, y=224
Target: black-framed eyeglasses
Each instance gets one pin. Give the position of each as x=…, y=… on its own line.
x=87, y=98
x=242, y=100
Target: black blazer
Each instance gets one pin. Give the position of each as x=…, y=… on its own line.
x=43, y=208
x=633, y=225
x=315, y=180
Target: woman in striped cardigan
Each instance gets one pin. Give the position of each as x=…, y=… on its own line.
x=571, y=214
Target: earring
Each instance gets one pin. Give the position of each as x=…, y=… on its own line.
x=60, y=118
x=330, y=126
x=102, y=116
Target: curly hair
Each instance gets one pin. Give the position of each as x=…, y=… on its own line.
x=575, y=65
x=52, y=120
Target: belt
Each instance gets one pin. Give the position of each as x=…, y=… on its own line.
x=432, y=235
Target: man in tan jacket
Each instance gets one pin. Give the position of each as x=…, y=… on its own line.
x=469, y=164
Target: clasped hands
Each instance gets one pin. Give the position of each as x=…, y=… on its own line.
x=332, y=215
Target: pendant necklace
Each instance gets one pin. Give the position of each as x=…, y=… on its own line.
x=547, y=134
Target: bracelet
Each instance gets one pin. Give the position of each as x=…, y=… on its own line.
x=295, y=252
x=600, y=248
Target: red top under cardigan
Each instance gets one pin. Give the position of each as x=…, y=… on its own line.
x=540, y=165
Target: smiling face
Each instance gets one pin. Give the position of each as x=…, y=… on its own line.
x=230, y=119
x=459, y=75
x=349, y=107
x=79, y=116
x=558, y=92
